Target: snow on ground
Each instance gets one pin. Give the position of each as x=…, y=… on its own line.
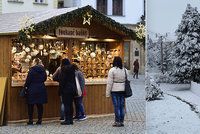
x=172, y=116
x=183, y=91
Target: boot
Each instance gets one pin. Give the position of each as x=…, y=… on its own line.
x=39, y=122
x=30, y=122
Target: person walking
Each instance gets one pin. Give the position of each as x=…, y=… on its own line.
x=115, y=88
x=35, y=86
x=136, y=69
x=56, y=78
x=78, y=100
x=67, y=90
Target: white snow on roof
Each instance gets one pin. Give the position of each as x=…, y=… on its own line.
x=10, y=22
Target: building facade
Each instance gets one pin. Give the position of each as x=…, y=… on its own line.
x=11, y=6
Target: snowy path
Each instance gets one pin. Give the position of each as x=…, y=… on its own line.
x=182, y=91
x=172, y=116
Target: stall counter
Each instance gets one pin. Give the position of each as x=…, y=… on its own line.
x=95, y=101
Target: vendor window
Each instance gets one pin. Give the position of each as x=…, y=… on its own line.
x=93, y=58
x=102, y=6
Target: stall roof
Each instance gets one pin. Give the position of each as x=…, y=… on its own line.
x=10, y=22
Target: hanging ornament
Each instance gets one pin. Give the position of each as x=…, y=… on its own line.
x=93, y=55
x=140, y=31
x=27, y=49
x=32, y=45
x=23, y=53
x=45, y=53
x=52, y=51
x=14, y=50
x=87, y=18
x=34, y=52
x=28, y=57
x=27, y=60
x=40, y=47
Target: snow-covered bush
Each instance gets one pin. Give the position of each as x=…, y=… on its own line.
x=186, y=52
x=168, y=78
x=153, y=90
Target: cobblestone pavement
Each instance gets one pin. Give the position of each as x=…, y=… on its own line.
x=134, y=120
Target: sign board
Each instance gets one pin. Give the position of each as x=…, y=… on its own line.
x=72, y=32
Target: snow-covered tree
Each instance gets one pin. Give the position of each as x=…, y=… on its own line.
x=154, y=54
x=167, y=49
x=186, y=53
x=153, y=90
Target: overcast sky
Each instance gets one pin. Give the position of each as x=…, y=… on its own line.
x=163, y=16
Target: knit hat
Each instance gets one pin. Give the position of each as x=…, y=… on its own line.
x=65, y=61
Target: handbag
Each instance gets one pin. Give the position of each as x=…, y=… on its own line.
x=23, y=92
x=84, y=92
x=78, y=87
x=128, y=90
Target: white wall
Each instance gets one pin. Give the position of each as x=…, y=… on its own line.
x=89, y=2
x=133, y=10
x=68, y=3
x=9, y=7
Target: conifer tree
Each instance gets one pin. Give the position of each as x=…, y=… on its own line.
x=186, y=53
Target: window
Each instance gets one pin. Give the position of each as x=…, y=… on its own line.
x=60, y=4
x=118, y=7
x=102, y=6
x=16, y=1
x=39, y=1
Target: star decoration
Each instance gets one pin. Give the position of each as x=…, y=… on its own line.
x=87, y=18
x=140, y=31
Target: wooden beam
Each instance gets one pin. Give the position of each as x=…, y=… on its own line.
x=3, y=81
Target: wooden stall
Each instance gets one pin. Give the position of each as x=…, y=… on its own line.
x=80, y=34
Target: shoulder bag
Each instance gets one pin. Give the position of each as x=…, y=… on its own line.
x=128, y=90
x=23, y=92
x=78, y=87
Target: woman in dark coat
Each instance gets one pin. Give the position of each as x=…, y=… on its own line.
x=37, y=94
x=67, y=89
x=56, y=78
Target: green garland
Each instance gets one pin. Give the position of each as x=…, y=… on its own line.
x=53, y=23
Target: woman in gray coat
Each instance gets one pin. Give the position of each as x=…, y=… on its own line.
x=78, y=100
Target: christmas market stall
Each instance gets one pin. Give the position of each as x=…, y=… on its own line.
x=84, y=35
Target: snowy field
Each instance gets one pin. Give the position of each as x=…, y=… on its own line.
x=171, y=115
